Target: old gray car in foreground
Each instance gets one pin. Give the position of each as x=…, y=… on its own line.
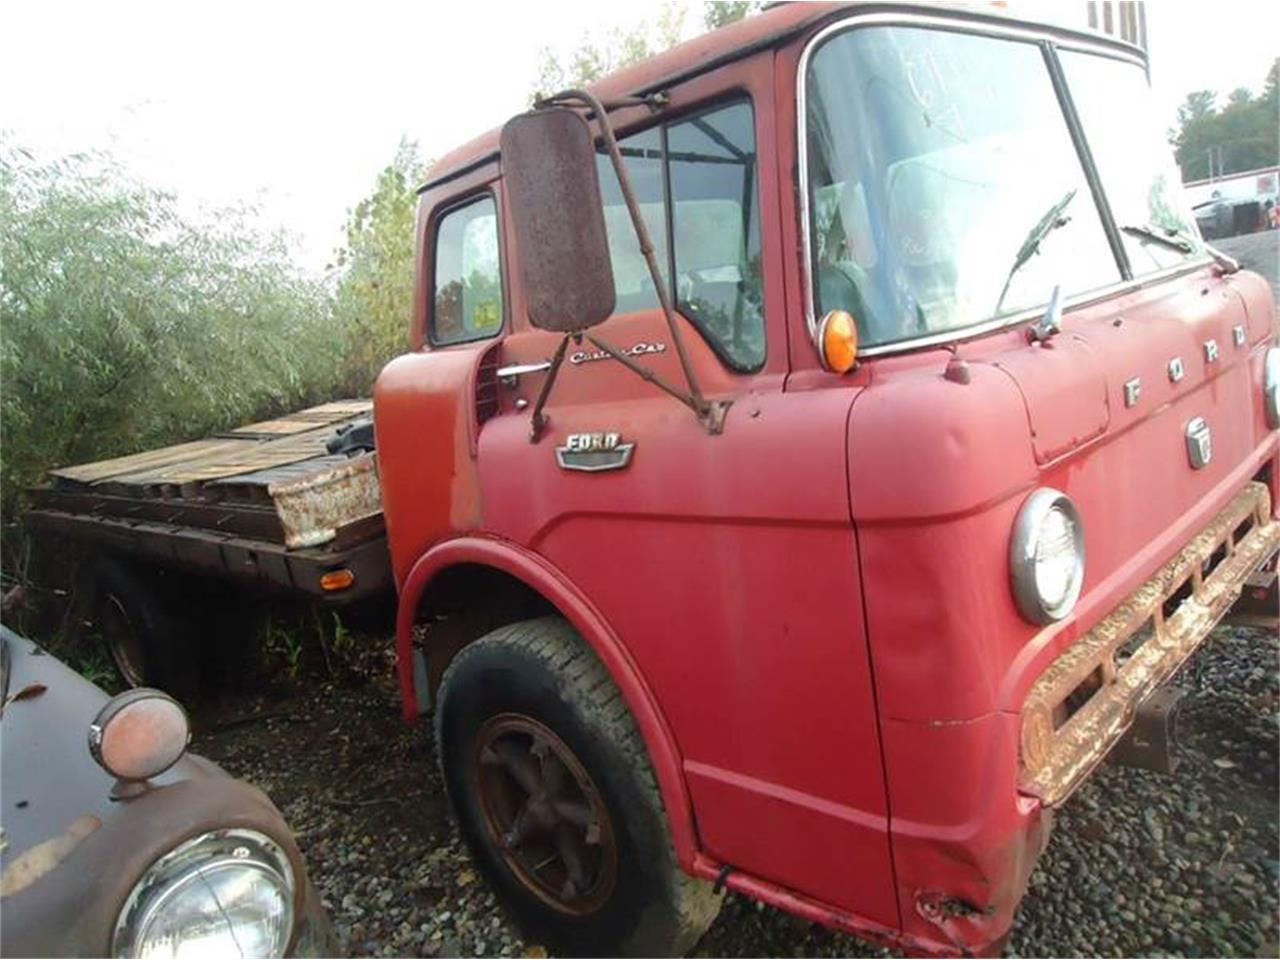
x=116, y=842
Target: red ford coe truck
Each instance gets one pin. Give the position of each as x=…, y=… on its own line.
x=817, y=444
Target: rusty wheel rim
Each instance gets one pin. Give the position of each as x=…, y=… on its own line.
x=544, y=814
x=124, y=645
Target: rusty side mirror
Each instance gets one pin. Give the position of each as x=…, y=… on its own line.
x=549, y=173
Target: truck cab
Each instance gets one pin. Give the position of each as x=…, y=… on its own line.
x=979, y=441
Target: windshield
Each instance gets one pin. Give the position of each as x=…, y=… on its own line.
x=944, y=187
x=1133, y=159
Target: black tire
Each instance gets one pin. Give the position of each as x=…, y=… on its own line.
x=141, y=634
x=541, y=671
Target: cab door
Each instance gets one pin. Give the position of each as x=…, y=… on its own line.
x=725, y=562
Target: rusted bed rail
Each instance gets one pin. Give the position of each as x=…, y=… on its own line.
x=268, y=504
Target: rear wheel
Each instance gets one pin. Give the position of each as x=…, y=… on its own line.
x=140, y=634
x=123, y=640
x=556, y=798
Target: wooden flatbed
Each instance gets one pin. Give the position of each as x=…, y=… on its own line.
x=265, y=504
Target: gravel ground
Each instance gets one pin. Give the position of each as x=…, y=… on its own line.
x=1140, y=864
x=1257, y=251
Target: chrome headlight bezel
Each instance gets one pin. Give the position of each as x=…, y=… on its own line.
x=1271, y=386
x=1022, y=556
x=241, y=848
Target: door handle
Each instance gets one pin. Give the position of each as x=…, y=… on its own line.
x=510, y=376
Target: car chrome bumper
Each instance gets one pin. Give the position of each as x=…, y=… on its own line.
x=1086, y=699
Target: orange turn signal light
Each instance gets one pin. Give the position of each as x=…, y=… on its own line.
x=336, y=580
x=837, y=341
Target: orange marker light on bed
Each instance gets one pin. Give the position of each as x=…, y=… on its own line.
x=337, y=580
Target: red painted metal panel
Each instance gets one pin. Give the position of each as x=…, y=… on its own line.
x=425, y=416
x=731, y=573
x=1064, y=392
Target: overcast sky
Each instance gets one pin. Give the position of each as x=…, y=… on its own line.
x=296, y=107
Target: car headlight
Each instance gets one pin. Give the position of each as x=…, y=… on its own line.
x=1046, y=556
x=1271, y=387
x=223, y=893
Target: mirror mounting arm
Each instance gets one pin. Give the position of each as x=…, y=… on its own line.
x=711, y=415
x=539, y=420
x=654, y=101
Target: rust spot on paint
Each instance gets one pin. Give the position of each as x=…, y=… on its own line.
x=44, y=857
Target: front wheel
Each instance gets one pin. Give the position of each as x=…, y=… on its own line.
x=553, y=790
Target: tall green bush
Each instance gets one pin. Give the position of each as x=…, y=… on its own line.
x=125, y=324
x=374, y=300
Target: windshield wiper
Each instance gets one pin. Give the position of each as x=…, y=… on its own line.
x=1179, y=240
x=1163, y=235
x=1052, y=220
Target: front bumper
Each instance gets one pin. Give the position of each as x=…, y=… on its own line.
x=1086, y=699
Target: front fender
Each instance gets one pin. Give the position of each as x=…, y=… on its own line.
x=534, y=571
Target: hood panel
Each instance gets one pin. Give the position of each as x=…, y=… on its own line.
x=48, y=779
x=1117, y=367
x=1064, y=390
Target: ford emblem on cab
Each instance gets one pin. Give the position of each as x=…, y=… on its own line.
x=594, y=452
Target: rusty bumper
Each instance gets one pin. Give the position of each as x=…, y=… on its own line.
x=1083, y=703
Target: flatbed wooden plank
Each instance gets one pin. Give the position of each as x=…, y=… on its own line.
x=101, y=470
x=282, y=473
x=338, y=409
x=130, y=468
x=260, y=456
x=326, y=413
x=276, y=481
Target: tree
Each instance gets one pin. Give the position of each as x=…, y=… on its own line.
x=1242, y=135
x=375, y=289
x=719, y=13
x=1239, y=95
x=621, y=47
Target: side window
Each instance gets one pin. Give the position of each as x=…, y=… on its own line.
x=716, y=225
x=695, y=181
x=642, y=154
x=468, y=276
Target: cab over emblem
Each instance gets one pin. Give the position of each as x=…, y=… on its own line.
x=593, y=452
x=1199, y=443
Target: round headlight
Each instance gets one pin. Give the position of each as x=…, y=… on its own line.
x=1046, y=556
x=1271, y=387
x=223, y=893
